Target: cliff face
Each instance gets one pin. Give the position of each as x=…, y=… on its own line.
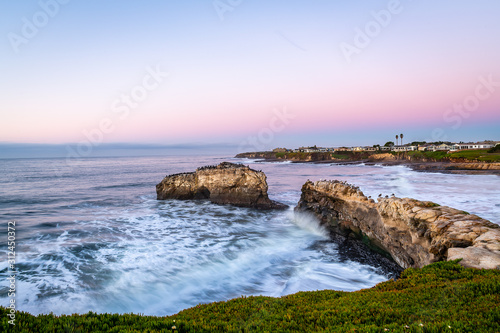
x=445, y=163
x=416, y=162
x=226, y=183
x=382, y=157
x=473, y=166
x=296, y=157
x=415, y=233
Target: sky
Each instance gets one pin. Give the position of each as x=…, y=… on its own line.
x=250, y=74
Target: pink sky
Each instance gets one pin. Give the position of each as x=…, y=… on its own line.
x=225, y=77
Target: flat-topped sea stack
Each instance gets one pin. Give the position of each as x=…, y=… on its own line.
x=415, y=233
x=226, y=183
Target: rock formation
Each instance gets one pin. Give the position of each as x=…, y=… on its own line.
x=415, y=233
x=382, y=157
x=226, y=183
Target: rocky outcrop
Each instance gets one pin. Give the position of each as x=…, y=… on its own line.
x=226, y=183
x=415, y=233
x=382, y=157
x=473, y=166
x=294, y=157
x=458, y=168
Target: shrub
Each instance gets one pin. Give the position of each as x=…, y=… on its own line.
x=341, y=156
x=431, y=155
x=495, y=149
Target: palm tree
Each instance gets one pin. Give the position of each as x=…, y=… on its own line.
x=401, y=136
x=397, y=137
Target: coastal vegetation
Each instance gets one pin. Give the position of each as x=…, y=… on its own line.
x=495, y=149
x=482, y=155
x=441, y=297
x=340, y=156
x=479, y=155
x=427, y=155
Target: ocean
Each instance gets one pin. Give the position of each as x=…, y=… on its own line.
x=91, y=236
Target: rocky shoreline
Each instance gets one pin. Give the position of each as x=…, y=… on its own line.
x=414, y=233
x=405, y=231
x=451, y=166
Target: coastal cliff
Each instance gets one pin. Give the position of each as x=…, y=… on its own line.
x=305, y=157
x=226, y=183
x=419, y=161
x=294, y=157
x=415, y=233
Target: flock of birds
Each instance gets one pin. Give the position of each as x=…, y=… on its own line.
x=179, y=174
x=223, y=165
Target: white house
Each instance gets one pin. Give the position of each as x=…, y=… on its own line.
x=404, y=148
x=477, y=145
x=442, y=147
x=485, y=145
x=307, y=149
x=314, y=149
x=425, y=147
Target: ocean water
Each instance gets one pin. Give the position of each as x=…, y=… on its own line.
x=91, y=236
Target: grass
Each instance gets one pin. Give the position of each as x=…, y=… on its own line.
x=299, y=155
x=431, y=155
x=482, y=155
x=478, y=154
x=473, y=155
x=341, y=156
x=442, y=297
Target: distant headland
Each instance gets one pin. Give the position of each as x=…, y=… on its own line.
x=472, y=157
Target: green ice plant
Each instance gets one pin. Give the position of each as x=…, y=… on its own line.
x=441, y=297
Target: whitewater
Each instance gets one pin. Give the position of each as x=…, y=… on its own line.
x=91, y=236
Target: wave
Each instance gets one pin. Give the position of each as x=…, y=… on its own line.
x=309, y=222
x=110, y=246
x=120, y=186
